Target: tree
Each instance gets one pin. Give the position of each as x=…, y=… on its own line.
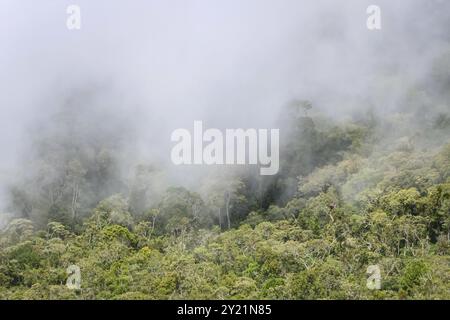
x=18, y=230
x=113, y=210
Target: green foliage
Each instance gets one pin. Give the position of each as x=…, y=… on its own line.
x=413, y=274
x=241, y=236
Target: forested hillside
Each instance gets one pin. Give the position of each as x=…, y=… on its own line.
x=368, y=190
x=93, y=205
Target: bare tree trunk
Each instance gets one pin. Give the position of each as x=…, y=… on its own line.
x=220, y=218
x=227, y=208
x=196, y=212
x=74, y=201
x=153, y=223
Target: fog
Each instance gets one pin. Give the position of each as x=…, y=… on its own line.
x=137, y=70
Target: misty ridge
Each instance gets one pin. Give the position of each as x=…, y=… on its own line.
x=89, y=189
x=88, y=114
